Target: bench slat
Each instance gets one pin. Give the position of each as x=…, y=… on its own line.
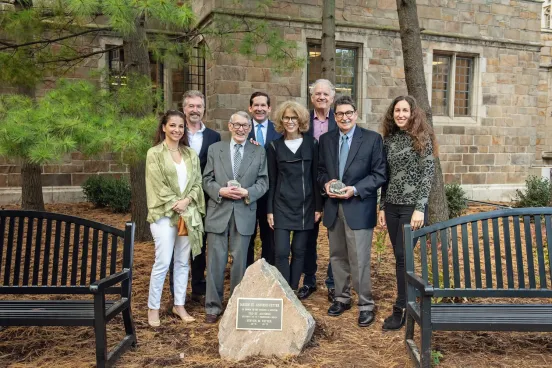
x=466, y=256
x=497, y=254
x=75, y=261
x=57, y=246
x=434, y=259
x=519, y=253
x=476, y=256
x=491, y=317
x=84, y=260
x=548, y=223
x=423, y=254
x=18, y=250
x=455, y=258
x=9, y=250
x=28, y=249
x=65, y=258
x=94, y=264
x=37, y=251
x=487, y=255
x=508, y=251
x=47, y=242
x=3, y=231
x=540, y=251
x=444, y=252
x=103, y=264
x=529, y=250
x=113, y=266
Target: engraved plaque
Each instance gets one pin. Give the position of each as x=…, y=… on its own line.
x=259, y=314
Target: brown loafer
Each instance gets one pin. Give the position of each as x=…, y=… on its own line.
x=211, y=318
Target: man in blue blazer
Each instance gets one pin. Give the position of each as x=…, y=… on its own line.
x=200, y=138
x=322, y=120
x=355, y=156
x=263, y=132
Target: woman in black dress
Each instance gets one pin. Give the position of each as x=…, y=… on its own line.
x=294, y=199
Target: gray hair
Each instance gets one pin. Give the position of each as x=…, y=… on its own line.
x=243, y=114
x=193, y=93
x=323, y=81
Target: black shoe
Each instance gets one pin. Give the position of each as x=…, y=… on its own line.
x=396, y=320
x=337, y=308
x=366, y=318
x=305, y=291
x=331, y=295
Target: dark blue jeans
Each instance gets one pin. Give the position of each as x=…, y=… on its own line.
x=310, y=266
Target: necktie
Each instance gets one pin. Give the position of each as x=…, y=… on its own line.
x=260, y=137
x=343, y=153
x=237, y=159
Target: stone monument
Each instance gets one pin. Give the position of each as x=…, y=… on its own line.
x=280, y=327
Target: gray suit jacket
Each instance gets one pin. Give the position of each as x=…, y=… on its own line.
x=252, y=175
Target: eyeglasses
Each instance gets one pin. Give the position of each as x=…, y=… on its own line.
x=287, y=119
x=348, y=114
x=238, y=126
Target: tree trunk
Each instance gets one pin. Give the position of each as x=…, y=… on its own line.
x=31, y=174
x=415, y=82
x=328, y=41
x=31, y=187
x=137, y=63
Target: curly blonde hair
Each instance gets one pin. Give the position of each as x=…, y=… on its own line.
x=301, y=112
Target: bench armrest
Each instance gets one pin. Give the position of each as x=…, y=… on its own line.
x=419, y=284
x=101, y=285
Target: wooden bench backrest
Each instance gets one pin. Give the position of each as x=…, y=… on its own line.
x=43, y=252
x=505, y=253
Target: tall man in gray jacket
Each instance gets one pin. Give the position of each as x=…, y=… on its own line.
x=231, y=209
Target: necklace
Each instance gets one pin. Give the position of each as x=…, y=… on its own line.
x=172, y=149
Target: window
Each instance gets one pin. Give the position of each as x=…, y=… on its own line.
x=191, y=76
x=346, y=60
x=546, y=16
x=452, y=85
x=115, y=64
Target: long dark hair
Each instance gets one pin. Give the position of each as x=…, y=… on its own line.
x=160, y=134
x=416, y=127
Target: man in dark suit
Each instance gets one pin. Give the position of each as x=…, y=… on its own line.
x=355, y=156
x=262, y=132
x=231, y=210
x=322, y=120
x=200, y=138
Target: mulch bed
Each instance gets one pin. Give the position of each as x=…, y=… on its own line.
x=336, y=341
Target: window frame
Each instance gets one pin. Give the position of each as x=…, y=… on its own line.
x=474, y=80
x=357, y=82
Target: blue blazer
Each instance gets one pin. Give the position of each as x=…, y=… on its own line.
x=331, y=122
x=365, y=169
x=209, y=137
x=271, y=133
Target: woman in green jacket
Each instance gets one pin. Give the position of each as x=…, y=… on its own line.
x=173, y=190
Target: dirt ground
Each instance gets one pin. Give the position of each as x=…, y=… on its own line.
x=336, y=341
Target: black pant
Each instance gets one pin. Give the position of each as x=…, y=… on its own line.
x=267, y=239
x=198, y=271
x=396, y=216
x=311, y=257
x=291, y=272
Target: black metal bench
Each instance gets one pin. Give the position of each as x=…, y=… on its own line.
x=58, y=256
x=441, y=267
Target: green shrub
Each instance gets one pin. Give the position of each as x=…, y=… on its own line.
x=106, y=191
x=456, y=199
x=93, y=189
x=536, y=193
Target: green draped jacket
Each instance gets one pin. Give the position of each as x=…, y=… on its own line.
x=162, y=191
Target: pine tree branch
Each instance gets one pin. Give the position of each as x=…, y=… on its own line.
x=73, y=35
x=82, y=57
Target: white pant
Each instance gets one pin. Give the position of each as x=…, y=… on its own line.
x=166, y=240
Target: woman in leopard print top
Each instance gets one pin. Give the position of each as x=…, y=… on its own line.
x=411, y=148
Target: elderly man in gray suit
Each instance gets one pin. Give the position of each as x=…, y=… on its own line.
x=231, y=209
